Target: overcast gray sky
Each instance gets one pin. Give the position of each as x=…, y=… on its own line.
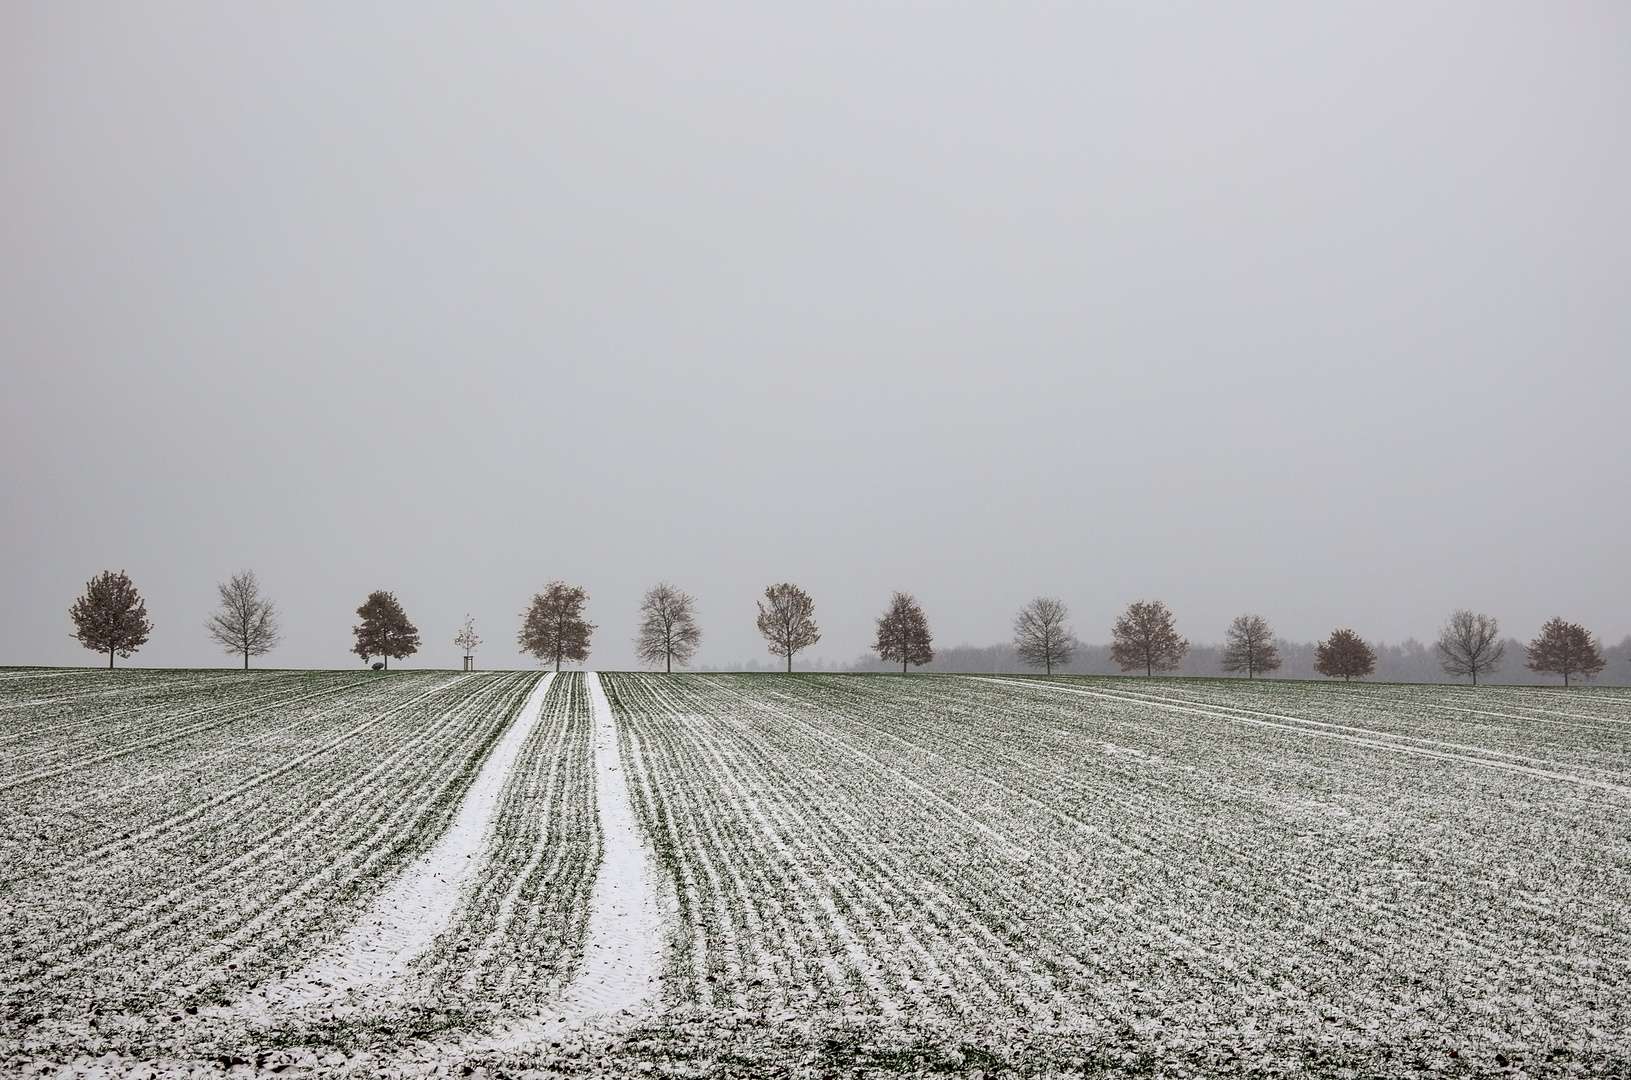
x=1320, y=311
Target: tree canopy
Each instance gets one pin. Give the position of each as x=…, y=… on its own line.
x=1566, y=649
x=553, y=628
x=385, y=630
x=112, y=616
x=1145, y=637
x=1344, y=655
x=787, y=620
x=903, y=633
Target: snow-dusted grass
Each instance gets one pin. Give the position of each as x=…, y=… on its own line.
x=928, y=873
x=1211, y=869
x=370, y=962
x=171, y=840
x=517, y=938
x=622, y=940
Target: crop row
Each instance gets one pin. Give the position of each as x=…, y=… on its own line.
x=1499, y=894
x=60, y=725
x=226, y=828
x=1074, y=853
x=517, y=936
x=1583, y=732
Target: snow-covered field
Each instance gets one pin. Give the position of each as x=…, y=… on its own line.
x=1206, y=873
x=364, y=874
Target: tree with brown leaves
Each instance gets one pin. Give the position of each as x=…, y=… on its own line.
x=247, y=621
x=553, y=627
x=112, y=616
x=668, y=627
x=1043, y=636
x=385, y=631
x=1344, y=655
x=1145, y=637
x=1470, y=644
x=788, y=623
x=1249, y=646
x=903, y=633
x=1566, y=649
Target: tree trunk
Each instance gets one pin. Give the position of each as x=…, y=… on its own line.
x=668, y=663
x=385, y=661
x=110, y=659
x=246, y=657
x=789, y=660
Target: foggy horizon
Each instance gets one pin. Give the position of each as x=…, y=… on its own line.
x=1315, y=314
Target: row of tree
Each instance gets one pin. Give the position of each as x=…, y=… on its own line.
x=1146, y=636
x=111, y=617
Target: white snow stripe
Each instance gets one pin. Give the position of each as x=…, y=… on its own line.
x=623, y=949
x=624, y=946
x=409, y=915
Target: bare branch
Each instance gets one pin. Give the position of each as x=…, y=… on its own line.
x=246, y=623
x=1043, y=636
x=1470, y=644
x=1249, y=646
x=668, y=632
x=467, y=639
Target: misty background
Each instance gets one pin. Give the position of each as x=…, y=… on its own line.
x=1313, y=311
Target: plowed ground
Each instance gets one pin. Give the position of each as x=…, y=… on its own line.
x=1215, y=874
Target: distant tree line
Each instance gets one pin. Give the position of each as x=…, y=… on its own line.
x=111, y=617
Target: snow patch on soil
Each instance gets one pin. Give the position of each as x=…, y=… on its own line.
x=624, y=948
x=372, y=958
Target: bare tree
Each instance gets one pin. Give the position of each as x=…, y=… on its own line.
x=1249, y=646
x=554, y=628
x=467, y=640
x=1043, y=636
x=788, y=623
x=668, y=627
x=112, y=616
x=247, y=622
x=903, y=633
x=385, y=631
x=1469, y=644
x=1344, y=655
x=1566, y=649
x=1145, y=637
